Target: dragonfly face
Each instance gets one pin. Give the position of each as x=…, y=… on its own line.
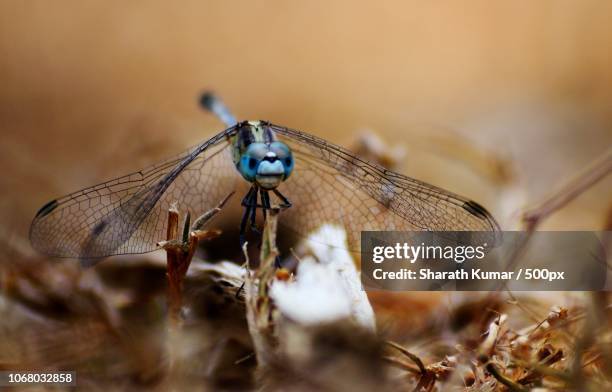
x=259, y=157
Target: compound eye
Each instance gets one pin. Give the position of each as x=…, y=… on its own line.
x=248, y=167
x=281, y=150
x=284, y=154
x=249, y=161
x=257, y=151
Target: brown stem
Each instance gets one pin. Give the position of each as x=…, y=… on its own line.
x=172, y=261
x=596, y=171
x=410, y=355
x=513, y=386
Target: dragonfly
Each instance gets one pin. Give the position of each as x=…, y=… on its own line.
x=312, y=181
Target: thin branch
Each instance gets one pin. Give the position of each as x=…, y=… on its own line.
x=401, y=365
x=596, y=171
x=410, y=355
x=180, y=252
x=512, y=386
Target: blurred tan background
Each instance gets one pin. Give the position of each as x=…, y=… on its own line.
x=92, y=90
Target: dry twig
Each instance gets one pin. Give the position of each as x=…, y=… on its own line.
x=180, y=251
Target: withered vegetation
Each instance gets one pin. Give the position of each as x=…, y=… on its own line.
x=146, y=322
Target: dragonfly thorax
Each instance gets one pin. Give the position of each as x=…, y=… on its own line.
x=259, y=157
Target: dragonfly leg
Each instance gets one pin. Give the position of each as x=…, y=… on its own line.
x=249, y=210
x=285, y=202
x=246, y=200
x=265, y=201
x=243, y=222
x=254, y=206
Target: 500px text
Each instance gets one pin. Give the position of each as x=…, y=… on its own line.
x=476, y=274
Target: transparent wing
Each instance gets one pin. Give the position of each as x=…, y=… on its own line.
x=129, y=214
x=329, y=185
x=332, y=185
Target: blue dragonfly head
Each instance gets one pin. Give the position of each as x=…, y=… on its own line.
x=266, y=164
